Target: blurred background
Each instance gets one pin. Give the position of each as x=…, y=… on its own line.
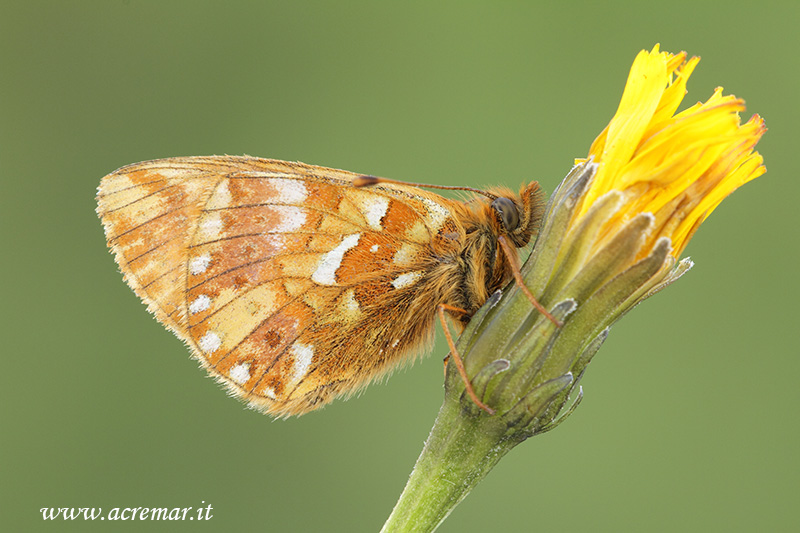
x=689, y=421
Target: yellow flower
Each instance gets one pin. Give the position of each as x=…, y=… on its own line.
x=611, y=237
x=678, y=167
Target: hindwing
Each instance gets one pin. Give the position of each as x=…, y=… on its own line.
x=290, y=285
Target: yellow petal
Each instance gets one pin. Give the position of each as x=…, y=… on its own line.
x=678, y=167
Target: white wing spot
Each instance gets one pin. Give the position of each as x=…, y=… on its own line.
x=373, y=248
x=406, y=279
x=211, y=225
x=303, y=353
x=220, y=198
x=275, y=241
x=170, y=173
x=405, y=255
x=289, y=191
x=210, y=342
x=293, y=218
x=269, y=392
x=240, y=373
x=325, y=274
x=437, y=213
x=199, y=264
x=376, y=210
x=349, y=305
x=201, y=303
x=350, y=301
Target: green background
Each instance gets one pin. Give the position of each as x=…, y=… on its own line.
x=690, y=417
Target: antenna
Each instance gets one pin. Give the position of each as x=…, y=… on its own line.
x=366, y=181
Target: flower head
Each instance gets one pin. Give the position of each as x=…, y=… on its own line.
x=678, y=167
x=612, y=235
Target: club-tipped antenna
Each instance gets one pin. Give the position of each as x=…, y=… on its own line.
x=366, y=181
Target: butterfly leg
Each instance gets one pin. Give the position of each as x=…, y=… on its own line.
x=441, y=308
x=513, y=259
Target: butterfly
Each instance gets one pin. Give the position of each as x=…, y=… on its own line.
x=294, y=284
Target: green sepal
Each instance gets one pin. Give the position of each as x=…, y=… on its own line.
x=480, y=384
x=536, y=339
x=525, y=418
x=578, y=243
x=610, y=259
x=601, y=309
x=539, y=267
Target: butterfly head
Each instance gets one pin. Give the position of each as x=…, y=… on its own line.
x=517, y=215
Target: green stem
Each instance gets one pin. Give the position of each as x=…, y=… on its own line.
x=459, y=452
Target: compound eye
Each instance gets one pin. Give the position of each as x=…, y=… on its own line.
x=507, y=210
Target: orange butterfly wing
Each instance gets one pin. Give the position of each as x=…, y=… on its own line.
x=290, y=285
